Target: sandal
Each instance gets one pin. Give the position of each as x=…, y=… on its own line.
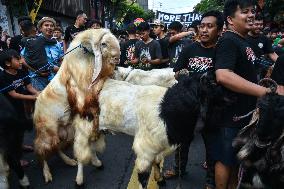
x=172, y=174
x=27, y=148
x=24, y=163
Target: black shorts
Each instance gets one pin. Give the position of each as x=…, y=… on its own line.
x=221, y=146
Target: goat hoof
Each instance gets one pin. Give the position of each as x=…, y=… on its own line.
x=162, y=182
x=79, y=186
x=48, y=179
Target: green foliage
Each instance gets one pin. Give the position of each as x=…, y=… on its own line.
x=135, y=11
x=274, y=8
x=124, y=12
x=207, y=5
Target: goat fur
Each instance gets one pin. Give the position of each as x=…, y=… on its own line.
x=150, y=114
x=160, y=77
x=67, y=109
x=261, y=144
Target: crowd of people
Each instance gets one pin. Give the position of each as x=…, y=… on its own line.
x=235, y=44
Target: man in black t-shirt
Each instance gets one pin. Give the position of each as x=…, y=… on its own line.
x=73, y=30
x=160, y=29
x=128, y=47
x=197, y=58
x=261, y=46
x=16, y=41
x=147, y=51
x=177, y=40
x=236, y=73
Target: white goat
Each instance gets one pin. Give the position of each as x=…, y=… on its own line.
x=67, y=109
x=161, y=77
x=134, y=110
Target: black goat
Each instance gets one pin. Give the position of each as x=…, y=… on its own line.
x=180, y=108
x=261, y=145
x=11, y=136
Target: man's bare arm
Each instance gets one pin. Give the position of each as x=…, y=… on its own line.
x=234, y=82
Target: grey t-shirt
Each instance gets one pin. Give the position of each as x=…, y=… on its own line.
x=151, y=50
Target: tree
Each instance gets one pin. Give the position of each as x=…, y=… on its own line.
x=135, y=11
x=207, y=5
x=273, y=8
x=124, y=12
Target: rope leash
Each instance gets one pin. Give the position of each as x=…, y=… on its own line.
x=34, y=73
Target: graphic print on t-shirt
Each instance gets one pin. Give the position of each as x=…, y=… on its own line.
x=250, y=54
x=130, y=52
x=177, y=52
x=145, y=53
x=200, y=64
x=18, y=83
x=260, y=45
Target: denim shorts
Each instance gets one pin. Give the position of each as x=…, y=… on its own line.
x=221, y=148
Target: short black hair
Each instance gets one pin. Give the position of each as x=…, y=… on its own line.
x=27, y=26
x=258, y=17
x=176, y=25
x=7, y=55
x=131, y=28
x=219, y=18
x=79, y=12
x=231, y=7
x=23, y=18
x=1, y=29
x=143, y=26
x=93, y=21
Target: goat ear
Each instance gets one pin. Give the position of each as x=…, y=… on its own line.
x=98, y=63
x=96, y=47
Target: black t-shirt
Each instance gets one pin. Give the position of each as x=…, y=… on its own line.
x=164, y=43
x=278, y=71
x=260, y=45
x=151, y=50
x=71, y=32
x=127, y=52
x=175, y=49
x=234, y=53
x=15, y=43
x=35, y=54
x=16, y=82
x=195, y=58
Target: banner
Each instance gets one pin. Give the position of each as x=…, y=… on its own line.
x=35, y=8
x=185, y=18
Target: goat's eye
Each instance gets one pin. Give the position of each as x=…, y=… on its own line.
x=104, y=45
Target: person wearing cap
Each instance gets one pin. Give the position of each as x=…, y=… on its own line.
x=52, y=48
x=147, y=51
x=73, y=30
x=41, y=52
x=160, y=29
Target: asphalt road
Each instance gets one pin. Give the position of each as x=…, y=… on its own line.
x=118, y=162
